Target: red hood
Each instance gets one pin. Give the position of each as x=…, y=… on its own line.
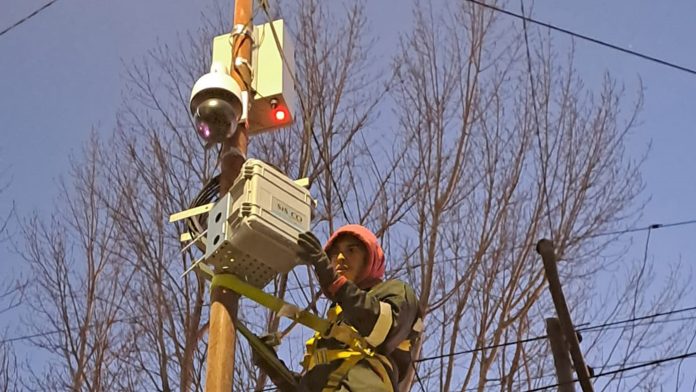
x=374, y=270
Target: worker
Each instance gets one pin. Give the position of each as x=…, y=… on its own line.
x=383, y=317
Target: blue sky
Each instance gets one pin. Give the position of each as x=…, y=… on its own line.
x=62, y=76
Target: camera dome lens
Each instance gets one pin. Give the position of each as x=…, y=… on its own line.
x=215, y=119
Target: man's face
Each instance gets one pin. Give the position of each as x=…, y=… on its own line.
x=349, y=255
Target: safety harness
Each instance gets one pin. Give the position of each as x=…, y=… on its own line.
x=356, y=350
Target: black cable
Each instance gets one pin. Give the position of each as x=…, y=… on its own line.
x=197, y=224
x=643, y=324
x=585, y=329
x=473, y=350
x=26, y=18
x=641, y=273
x=264, y=6
x=53, y=332
x=544, y=166
x=681, y=362
x=654, y=226
x=585, y=37
x=626, y=369
x=415, y=371
x=26, y=337
x=591, y=328
x=525, y=381
x=331, y=176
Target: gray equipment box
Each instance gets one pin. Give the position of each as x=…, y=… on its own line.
x=253, y=230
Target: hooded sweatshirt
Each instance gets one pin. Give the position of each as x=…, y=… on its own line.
x=373, y=272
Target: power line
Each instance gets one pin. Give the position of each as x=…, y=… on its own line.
x=642, y=324
x=600, y=327
x=55, y=331
x=656, y=362
x=264, y=6
x=543, y=158
x=473, y=350
x=415, y=371
x=591, y=328
x=654, y=226
x=26, y=337
x=420, y=382
x=26, y=18
x=525, y=381
x=584, y=329
x=586, y=38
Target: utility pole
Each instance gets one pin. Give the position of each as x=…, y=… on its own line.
x=222, y=337
x=561, y=359
x=545, y=249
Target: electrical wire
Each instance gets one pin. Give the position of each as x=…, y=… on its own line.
x=264, y=6
x=631, y=320
x=418, y=378
x=650, y=227
x=593, y=328
x=26, y=18
x=27, y=337
x=600, y=327
x=525, y=381
x=544, y=162
x=53, y=332
x=643, y=324
x=197, y=224
x=415, y=370
x=656, y=362
x=586, y=38
x=473, y=350
x=654, y=226
x=681, y=362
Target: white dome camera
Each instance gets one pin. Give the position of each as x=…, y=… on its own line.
x=216, y=105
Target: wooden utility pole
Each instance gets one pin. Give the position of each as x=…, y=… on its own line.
x=545, y=249
x=561, y=360
x=222, y=339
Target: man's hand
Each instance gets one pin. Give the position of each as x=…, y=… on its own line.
x=313, y=253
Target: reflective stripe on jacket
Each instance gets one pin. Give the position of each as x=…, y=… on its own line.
x=386, y=317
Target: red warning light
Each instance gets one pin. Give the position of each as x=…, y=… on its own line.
x=280, y=114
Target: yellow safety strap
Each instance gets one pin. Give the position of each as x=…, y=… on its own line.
x=340, y=373
x=357, y=349
x=325, y=356
x=345, y=333
x=377, y=363
x=276, y=304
